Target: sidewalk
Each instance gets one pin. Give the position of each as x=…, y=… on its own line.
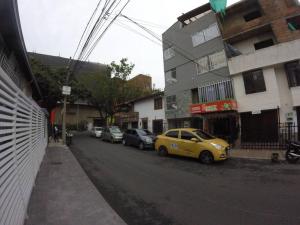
x=64, y=195
x=255, y=154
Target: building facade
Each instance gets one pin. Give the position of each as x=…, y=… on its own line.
x=23, y=124
x=263, y=40
x=144, y=113
x=198, y=88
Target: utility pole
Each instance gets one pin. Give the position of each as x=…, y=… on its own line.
x=66, y=90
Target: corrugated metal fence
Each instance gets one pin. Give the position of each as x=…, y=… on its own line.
x=23, y=139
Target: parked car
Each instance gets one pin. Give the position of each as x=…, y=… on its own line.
x=138, y=137
x=112, y=134
x=193, y=143
x=97, y=132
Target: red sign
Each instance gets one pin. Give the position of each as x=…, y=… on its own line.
x=219, y=106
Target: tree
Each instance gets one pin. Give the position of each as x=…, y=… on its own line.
x=51, y=82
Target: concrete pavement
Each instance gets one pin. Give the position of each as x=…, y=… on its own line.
x=64, y=195
x=256, y=154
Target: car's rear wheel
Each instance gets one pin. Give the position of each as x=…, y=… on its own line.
x=162, y=151
x=206, y=157
x=141, y=146
x=111, y=140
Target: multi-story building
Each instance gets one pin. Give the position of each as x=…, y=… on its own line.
x=263, y=42
x=145, y=113
x=141, y=81
x=198, y=88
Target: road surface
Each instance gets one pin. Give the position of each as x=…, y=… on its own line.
x=146, y=189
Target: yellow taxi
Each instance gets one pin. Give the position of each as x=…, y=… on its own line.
x=193, y=143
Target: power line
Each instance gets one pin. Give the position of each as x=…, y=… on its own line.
x=178, y=49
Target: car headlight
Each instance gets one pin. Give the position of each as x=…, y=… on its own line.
x=148, y=140
x=217, y=146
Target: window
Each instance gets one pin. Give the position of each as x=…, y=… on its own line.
x=217, y=60
x=172, y=134
x=294, y=23
x=171, y=102
x=211, y=32
x=171, y=76
x=254, y=81
x=264, y=44
x=158, y=103
x=252, y=15
x=211, y=62
x=169, y=53
x=195, y=96
x=293, y=73
x=186, y=135
x=202, y=65
x=205, y=35
x=198, y=38
x=217, y=91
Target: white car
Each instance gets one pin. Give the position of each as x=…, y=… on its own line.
x=97, y=132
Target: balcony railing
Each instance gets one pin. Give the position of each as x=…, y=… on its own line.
x=222, y=90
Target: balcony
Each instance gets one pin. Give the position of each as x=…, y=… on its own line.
x=273, y=55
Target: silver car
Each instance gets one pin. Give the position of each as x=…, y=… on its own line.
x=112, y=134
x=97, y=132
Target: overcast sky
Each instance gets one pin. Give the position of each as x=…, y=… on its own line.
x=54, y=27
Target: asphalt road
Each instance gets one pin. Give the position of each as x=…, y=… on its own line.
x=146, y=189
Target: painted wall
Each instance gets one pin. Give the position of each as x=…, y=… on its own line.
x=186, y=71
x=257, y=101
x=145, y=109
x=270, y=56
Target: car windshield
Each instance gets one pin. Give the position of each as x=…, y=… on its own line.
x=98, y=128
x=144, y=132
x=203, y=135
x=114, y=130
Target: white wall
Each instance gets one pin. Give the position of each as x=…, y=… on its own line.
x=285, y=94
x=257, y=101
x=270, y=56
x=145, y=108
x=296, y=95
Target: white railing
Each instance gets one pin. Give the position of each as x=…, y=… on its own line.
x=221, y=90
x=23, y=140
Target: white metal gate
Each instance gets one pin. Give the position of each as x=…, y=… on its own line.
x=23, y=139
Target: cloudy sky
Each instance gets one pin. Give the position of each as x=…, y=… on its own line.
x=55, y=26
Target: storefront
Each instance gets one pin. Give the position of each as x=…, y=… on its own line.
x=220, y=118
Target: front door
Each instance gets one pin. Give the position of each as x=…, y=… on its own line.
x=186, y=146
x=173, y=142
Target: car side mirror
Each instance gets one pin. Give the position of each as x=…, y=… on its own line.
x=195, y=140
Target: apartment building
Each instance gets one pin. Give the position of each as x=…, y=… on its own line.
x=198, y=88
x=262, y=39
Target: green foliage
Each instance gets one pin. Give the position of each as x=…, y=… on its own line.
x=51, y=82
x=121, y=70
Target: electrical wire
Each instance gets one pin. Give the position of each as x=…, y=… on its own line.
x=178, y=49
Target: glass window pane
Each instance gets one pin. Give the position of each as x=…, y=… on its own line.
x=211, y=32
x=202, y=65
x=198, y=38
